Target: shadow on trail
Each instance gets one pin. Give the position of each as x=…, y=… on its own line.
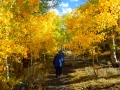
x=64, y=81
x=60, y=83
x=69, y=67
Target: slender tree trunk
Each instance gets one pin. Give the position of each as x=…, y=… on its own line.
x=114, y=59
x=7, y=69
x=31, y=64
x=44, y=56
x=94, y=67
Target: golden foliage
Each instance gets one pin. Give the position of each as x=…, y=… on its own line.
x=34, y=2
x=90, y=20
x=22, y=32
x=20, y=2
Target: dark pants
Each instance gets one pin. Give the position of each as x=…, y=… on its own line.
x=58, y=71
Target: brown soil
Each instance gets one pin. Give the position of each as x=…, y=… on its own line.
x=70, y=66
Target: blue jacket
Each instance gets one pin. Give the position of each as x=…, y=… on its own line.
x=58, y=59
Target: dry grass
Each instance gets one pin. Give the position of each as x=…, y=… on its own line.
x=35, y=76
x=83, y=78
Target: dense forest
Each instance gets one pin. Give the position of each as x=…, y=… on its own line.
x=31, y=35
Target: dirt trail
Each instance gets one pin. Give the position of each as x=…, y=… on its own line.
x=63, y=82
x=69, y=67
x=60, y=83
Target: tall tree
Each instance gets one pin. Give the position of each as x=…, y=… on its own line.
x=23, y=33
x=92, y=22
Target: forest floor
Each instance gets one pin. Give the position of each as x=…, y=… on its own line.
x=79, y=75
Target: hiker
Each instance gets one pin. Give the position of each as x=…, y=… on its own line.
x=58, y=63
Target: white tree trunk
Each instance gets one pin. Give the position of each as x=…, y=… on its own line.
x=7, y=69
x=113, y=54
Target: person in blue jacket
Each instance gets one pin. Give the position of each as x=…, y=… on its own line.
x=58, y=63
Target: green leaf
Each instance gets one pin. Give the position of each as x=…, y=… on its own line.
x=118, y=48
x=112, y=46
x=94, y=1
x=118, y=37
